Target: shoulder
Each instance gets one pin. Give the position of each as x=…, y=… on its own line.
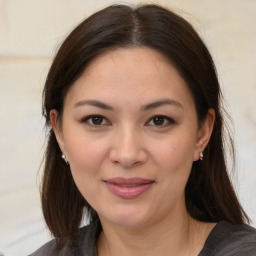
x=83, y=244
x=229, y=239
x=48, y=249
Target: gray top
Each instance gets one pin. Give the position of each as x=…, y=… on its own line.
x=225, y=239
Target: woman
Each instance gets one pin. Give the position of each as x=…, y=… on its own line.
x=136, y=139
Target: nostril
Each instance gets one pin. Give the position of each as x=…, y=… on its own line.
x=128, y=159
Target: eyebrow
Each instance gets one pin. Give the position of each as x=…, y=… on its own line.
x=146, y=107
x=94, y=103
x=160, y=103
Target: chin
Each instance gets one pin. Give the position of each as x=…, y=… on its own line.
x=129, y=219
x=129, y=222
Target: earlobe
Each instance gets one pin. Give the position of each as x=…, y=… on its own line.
x=56, y=128
x=204, y=134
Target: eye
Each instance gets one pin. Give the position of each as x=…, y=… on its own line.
x=160, y=121
x=96, y=120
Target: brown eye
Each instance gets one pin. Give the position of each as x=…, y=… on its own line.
x=96, y=120
x=160, y=121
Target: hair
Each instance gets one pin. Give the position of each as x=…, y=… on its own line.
x=209, y=194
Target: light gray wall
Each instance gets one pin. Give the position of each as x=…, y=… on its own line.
x=31, y=30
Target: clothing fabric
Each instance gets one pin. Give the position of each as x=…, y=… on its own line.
x=225, y=239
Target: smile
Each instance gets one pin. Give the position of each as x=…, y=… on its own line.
x=128, y=188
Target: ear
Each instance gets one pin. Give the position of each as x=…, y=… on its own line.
x=204, y=133
x=57, y=129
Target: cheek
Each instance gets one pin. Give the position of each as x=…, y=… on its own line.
x=86, y=160
x=174, y=160
x=85, y=154
x=175, y=151
x=176, y=168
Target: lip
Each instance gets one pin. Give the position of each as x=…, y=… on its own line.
x=128, y=188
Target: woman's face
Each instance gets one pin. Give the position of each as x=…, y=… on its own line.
x=130, y=133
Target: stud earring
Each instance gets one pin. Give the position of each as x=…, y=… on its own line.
x=63, y=156
x=201, y=156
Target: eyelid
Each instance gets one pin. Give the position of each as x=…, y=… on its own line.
x=169, y=119
x=87, y=118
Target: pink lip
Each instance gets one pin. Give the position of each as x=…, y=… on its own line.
x=128, y=188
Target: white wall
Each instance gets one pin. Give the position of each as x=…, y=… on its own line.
x=30, y=31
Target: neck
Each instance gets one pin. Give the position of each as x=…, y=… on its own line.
x=180, y=236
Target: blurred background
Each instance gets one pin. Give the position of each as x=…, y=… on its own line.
x=30, y=33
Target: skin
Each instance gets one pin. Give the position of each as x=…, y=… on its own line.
x=132, y=137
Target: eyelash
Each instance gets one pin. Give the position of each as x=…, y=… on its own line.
x=166, y=121
x=88, y=118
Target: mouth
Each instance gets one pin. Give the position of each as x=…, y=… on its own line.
x=128, y=188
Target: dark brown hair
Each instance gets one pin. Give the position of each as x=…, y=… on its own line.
x=210, y=196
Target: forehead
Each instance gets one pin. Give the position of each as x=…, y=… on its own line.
x=140, y=55
x=137, y=60
x=130, y=73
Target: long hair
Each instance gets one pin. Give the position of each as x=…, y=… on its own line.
x=209, y=194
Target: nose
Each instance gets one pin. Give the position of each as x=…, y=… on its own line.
x=127, y=148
